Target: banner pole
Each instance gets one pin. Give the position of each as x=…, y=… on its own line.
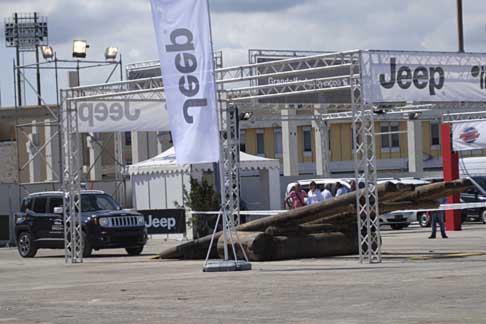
x=219, y=170
x=226, y=264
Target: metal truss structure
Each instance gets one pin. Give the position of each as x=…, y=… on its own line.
x=229, y=176
x=365, y=161
x=243, y=86
x=255, y=54
x=364, y=169
x=71, y=185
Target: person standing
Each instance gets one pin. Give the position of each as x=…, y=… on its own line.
x=438, y=217
x=326, y=193
x=340, y=189
x=314, y=196
x=297, y=197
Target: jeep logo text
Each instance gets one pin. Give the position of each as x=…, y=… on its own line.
x=186, y=63
x=91, y=112
x=421, y=77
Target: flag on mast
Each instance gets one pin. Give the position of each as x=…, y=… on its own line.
x=183, y=35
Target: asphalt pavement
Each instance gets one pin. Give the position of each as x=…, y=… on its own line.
x=419, y=281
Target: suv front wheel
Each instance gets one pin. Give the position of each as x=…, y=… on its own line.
x=424, y=220
x=25, y=246
x=87, y=249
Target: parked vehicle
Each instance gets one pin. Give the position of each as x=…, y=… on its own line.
x=40, y=224
x=472, y=195
x=400, y=219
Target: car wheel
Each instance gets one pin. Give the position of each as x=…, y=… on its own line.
x=25, y=246
x=424, y=220
x=483, y=216
x=134, y=251
x=87, y=249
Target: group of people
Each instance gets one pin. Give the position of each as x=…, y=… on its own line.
x=297, y=197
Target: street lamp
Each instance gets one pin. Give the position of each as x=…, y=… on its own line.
x=79, y=48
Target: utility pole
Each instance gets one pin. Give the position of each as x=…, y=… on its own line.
x=460, y=31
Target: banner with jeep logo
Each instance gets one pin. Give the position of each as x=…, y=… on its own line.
x=186, y=59
x=165, y=221
x=468, y=135
x=121, y=116
x=397, y=76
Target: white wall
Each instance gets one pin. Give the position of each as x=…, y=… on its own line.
x=159, y=191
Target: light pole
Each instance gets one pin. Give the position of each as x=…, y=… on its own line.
x=460, y=31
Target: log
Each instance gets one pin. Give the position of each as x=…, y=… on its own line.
x=302, y=229
x=260, y=246
x=339, y=212
x=434, y=191
x=385, y=207
x=344, y=203
x=314, y=246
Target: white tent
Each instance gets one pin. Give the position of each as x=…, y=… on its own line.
x=158, y=183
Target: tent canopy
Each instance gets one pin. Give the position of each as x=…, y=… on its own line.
x=165, y=162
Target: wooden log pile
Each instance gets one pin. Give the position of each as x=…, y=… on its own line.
x=325, y=229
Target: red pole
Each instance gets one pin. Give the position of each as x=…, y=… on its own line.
x=450, y=164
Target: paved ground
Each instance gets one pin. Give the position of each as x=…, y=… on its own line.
x=418, y=282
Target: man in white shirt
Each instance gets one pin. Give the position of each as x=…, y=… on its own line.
x=326, y=193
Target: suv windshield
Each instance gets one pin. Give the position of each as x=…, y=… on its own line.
x=95, y=202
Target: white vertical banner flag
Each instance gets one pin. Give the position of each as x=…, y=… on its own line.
x=186, y=60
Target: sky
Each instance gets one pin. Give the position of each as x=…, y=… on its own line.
x=239, y=25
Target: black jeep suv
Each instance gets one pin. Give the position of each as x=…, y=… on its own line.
x=40, y=224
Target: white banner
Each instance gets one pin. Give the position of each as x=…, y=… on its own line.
x=121, y=116
x=392, y=76
x=186, y=59
x=469, y=135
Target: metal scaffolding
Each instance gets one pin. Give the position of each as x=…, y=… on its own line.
x=150, y=89
x=71, y=185
x=364, y=169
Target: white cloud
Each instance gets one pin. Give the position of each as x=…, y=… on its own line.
x=242, y=24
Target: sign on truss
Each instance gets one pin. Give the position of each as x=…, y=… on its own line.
x=121, y=116
x=396, y=76
x=469, y=135
x=306, y=76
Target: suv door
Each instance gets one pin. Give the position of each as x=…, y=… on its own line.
x=41, y=225
x=56, y=231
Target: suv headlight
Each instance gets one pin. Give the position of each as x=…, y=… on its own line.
x=140, y=220
x=104, y=221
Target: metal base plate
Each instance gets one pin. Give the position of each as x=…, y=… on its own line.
x=230, y=265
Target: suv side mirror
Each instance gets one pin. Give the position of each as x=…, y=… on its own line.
x=58, y=210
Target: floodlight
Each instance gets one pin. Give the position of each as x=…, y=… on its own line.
x=79, y=48
x=246, y=116
x=47, y=52
x=414, y=115
x=111, y=53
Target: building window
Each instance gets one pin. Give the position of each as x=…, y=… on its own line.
x=128, y=138
x=435, y=134
x=242, y=140
x=277, y=133
x=307, y=140
x=260, y=142
x=390, y=142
